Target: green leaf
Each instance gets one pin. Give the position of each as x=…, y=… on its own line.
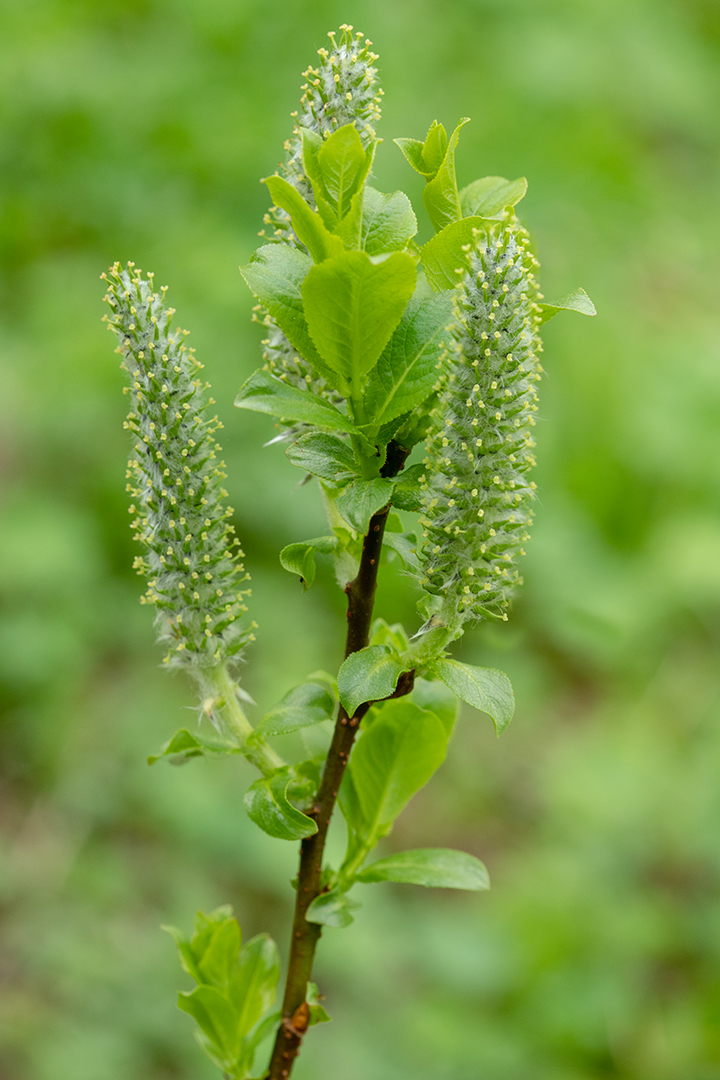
x=440, y=195
x=352, y=306
x=488, y=197
x=435, y=148
x=307, y=704
x=407, y=490
x=331, y=909
x=388, y=221
x=185, y=951
x=264, y=393
x=220, y=957
x=404, y=545
x=308, y=225
x=393, y=759
x=484, y=688
x=370, y=674
x=341, y=161
x=317, y=1012
x=274, y=275
x=413, y=151
x=406, y=372
x=267, y=805
x=254, y=981
x=360, y=500
x=323, y=455
x=393, y=636
x=574, y=301
x=445, y=256
x=437, y=698
x=184, y=745
x=436, y=867
x=217, y=1019
x=300, y=558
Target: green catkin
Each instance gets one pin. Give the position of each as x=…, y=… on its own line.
x=175, y=481
x=477, y=500
x=342, y=89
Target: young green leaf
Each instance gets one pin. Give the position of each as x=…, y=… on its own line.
x=435, y=867
x=331, y=909
x=413, y=151
x=307, y=223
x=437, y=698
x=318, y=1014
x=444, y=257
x=370, y=674
x=217, y=1020
x=253, y=982
x=574, y=301
x=393, y=636
x=274, y=275
x=440, y=194
x=341, y=162
x=323, y=455
x=406, y=372
x=267, y=805
x=360, y=500
x=393, y=759
x=266, y=394
x=404, y=545
x=300, y=558
x=488, y=197
x=388, y=221
x=184, y=745
x=220, y=957
x=485, y=689
x=352, y=306
x=307, y=704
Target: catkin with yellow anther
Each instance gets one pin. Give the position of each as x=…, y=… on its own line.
x=341, y=89
x=477, y=496
x=190, y=557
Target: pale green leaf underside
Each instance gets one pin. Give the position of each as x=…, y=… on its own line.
x=331, y=909
x=574, y=301
x=323, y=455
x=299, y=558
x=307, y=704
x=487, y=689
x=433, y=867
x=185, y=745
x=388, y=221
x=264, y=393
x=267, y=805
x=489, y=196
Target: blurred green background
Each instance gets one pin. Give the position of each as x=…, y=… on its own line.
x=138, y=129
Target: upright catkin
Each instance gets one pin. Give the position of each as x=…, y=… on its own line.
x=175, y=479
x=342, y=89
x=477, y=499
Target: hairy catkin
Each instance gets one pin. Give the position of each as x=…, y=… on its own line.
x=341, y=89
x=477, y=496
x=175, y=482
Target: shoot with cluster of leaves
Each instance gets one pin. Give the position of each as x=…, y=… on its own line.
x=402, y=378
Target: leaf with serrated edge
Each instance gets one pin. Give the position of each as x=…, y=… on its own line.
x=274, y=275
x=352, y=306
x=487, y=689
x=323, y=455
x=489, y=196
x=388, y=221
x=308, y=225
x=360, y=500
x=341, y=160
x=393, y=759
x=440, y=194
x=307, y=704
x=443, y=258
x=406, y=372
x=267, y=805
x=370, y=674
x=264, y=393
x=440, y=868
x=574, y=301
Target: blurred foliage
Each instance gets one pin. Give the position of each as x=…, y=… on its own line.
x=139, y=129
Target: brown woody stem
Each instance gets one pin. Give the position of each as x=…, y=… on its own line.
x=305, y=935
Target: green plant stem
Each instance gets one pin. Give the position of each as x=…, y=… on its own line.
x=305, y=935
x=257, y=750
